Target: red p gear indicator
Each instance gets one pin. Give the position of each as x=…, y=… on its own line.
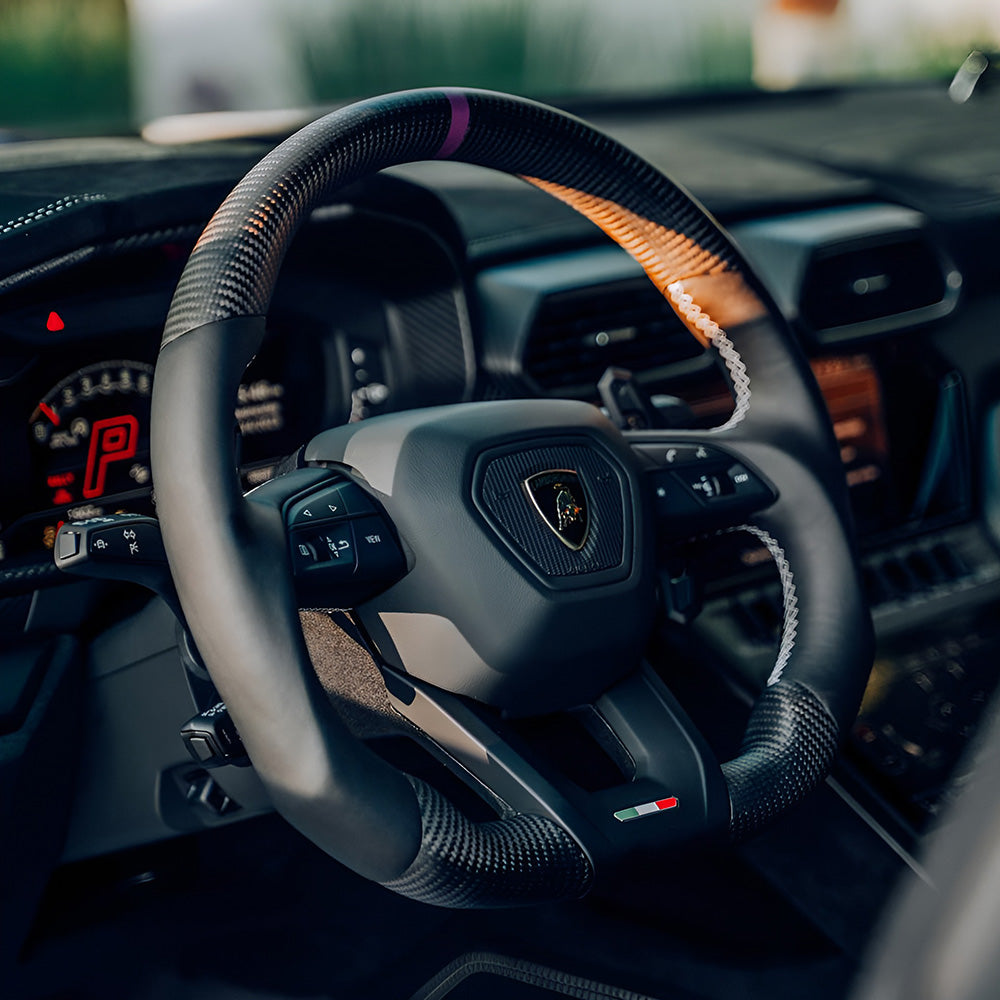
x=111, y=440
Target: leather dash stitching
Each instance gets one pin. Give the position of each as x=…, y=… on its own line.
x=45, y=211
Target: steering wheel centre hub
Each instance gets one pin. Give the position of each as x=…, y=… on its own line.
x=561, y=506
x=529, y=564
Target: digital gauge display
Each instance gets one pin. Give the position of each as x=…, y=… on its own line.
x=84, y=447
x=90, y=439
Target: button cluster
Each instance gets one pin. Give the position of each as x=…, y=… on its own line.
x=129, y=541
x=338, y=501
x=338, y=536
x=136, y=541
x=695, y=482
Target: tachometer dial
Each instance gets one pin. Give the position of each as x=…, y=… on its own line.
x=91, y=435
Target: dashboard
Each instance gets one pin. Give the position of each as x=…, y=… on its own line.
x=80, y=350
x=443, y=283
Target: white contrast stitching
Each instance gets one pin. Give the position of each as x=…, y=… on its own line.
x=727, y=350
x=46, y=210
x=790, y=620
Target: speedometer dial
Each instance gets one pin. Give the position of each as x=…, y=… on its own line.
x=91, y=435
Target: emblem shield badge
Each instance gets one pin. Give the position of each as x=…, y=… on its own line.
x=558, y=496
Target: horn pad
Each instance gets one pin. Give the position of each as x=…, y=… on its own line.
x=527, y=599
x=561, y=508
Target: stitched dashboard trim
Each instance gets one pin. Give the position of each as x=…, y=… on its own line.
x=52, y=208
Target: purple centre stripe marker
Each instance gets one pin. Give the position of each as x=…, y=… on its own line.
x=459, y=124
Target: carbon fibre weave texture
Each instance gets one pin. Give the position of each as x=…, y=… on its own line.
x=430, y=330
x=233, y=269
x=491, y=966
x=787, y=749
x=515, y=861
x=505, y=498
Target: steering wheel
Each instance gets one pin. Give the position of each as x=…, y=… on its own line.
x=500, y=557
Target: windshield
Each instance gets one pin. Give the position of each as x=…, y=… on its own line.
x=72, y=66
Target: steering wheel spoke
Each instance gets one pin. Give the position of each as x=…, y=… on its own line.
x=663, y=762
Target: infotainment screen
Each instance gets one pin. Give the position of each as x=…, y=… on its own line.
x=899, y=418
x=850, y=385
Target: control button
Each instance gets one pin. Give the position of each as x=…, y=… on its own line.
x=303, y=553
x=744, y=483
x=379, y=557
x=135, y=541
x=335, y=545
x=201, y=747
x=67, y=544
x=327, y=553
x=678, y=455
x=330, y=504
x=670, y=497
x=206, y=793
x=707, y=487
x=332, y=549
x=323, y=506
x=356, y=500
x=212, y=739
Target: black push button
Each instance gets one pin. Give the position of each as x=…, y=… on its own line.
x=326, y=549
x=744, y=483
x=675, y=456
x=671, y=498
x=355, y=499
x=332, y=503
x=335, y=544
x=697, y=488
x=303, y=552
x=379, y=558
x=705, y=486
x=343, y=549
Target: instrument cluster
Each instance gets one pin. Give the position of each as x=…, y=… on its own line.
x=76, y=379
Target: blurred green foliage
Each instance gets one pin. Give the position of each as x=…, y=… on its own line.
x=374, y=46
x=64, y=65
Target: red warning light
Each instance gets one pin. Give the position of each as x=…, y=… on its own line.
x=55, y=322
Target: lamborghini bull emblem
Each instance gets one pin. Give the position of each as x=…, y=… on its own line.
x=557, y=495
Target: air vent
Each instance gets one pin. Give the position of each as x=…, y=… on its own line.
x=576, y=335
x=869, y=288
